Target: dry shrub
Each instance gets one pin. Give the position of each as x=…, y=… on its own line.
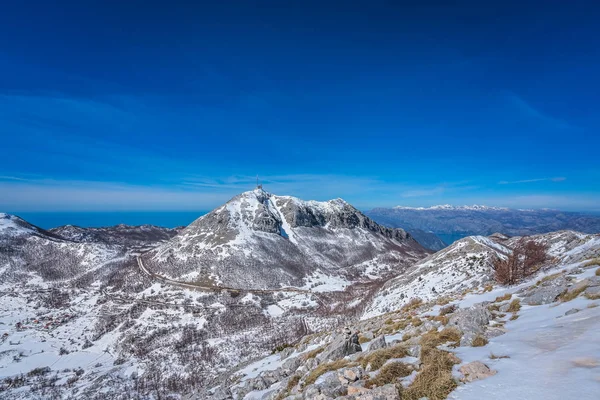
x=479, y=341
x=314, y=353
x=412, y=304
x=378, y=357
x=435, y=380
x=507, y=296
x=514, y=306
x=448, y=309
x=526, y=258
x=389, y=373
x=433, y=338
x=326, y=367
x=592, y=262
x=591, y=296
x=572, y=294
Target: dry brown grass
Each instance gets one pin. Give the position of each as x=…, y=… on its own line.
x=314, y=353
x=514, y=317
x=442, y=301
x=514, y=306
x=572, y=294
x=362, y=339
x=598, y=272
x=389, y=373
x=448, y=309
x=548, y=278
x=378, y=357
x=292, y=382
x=593, y=305
x=435, y=380
x=442, y=318
x=433, y=338
x=416, y=321
x=590, y=296
x=394, y=326
x=507, y=296
x=326, y=367
x=479, y=341
x=488, y=288
x=592, y=262
x=494, y=307
x=412, y=304
x=495, y=357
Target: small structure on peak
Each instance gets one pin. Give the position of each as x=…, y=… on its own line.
x=258, y=184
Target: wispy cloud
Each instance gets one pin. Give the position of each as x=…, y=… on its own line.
x=529, y=110
x=555, y=179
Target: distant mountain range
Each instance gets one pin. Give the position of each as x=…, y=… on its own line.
x=451, y=223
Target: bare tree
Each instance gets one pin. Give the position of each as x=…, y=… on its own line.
x=526, y=258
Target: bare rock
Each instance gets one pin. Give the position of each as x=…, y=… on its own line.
x=476, y=370
x=471, y=322
x=547, y=292
x=378, y=343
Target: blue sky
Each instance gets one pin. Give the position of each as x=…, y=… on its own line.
x=171, y=106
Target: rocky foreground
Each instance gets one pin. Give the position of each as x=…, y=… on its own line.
x=472, y=345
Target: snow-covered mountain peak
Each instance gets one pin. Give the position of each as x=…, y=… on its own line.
x=281, y=239
x=14, y=226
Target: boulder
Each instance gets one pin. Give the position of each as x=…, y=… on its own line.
x=475, y=370
x=377, y=343
x=592, y=292
x=339, y=348
x=572, y=311
x=545, y=293
x=471, y=322
x=385, y=392
x=285, y=353
x=350, y=375
x=290, y=366
x=327, y=386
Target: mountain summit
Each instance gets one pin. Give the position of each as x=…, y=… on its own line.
x=261, y=240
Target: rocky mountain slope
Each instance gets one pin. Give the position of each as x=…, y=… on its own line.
x=467, y=264
x=470, y=345
x=125, y=235
x=452, y=223
x=260, y=240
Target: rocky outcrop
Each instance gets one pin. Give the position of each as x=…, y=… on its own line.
x=546, y=292
x=471, y=322
x=475, y=370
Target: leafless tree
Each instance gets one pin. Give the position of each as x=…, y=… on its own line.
x=526, y=258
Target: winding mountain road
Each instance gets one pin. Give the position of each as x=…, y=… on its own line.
x=213, y=288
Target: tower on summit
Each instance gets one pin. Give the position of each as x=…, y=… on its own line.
x=258, y=185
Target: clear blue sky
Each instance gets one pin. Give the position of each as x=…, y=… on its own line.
x=142, y=106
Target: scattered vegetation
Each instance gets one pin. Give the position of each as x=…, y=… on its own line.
x=479, y=341
x=526, y=258
x=442, y=318
x=416, y=321
x=514, y=306
x=389, y=373
x=433, y=338
x=488, y=288
x=378, y=357
x=590, y=296
x=314, y=353
x=572, y=294
x=499, y=299
x=548, y=278
x=435, y=380
x=412, y=304
x=592, y=262
x=362, y=339
x=326, y=367
x=448, y=309
x=495, y=357
x=281, y=347
x=292, y=382
x=514, y=317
